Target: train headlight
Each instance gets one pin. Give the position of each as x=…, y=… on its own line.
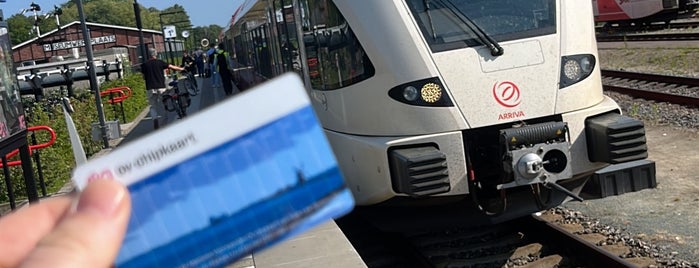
x=426, y=92
x=572, y=70
x=586, y=65
x=575, y=68
x=410, y=93
x=431, y=92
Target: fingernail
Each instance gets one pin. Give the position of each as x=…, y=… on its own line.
x=102, y=197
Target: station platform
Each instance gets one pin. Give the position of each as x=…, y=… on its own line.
x=322, y=246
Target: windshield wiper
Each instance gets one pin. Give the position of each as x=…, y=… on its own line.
x=495, y=48
x=429, y=17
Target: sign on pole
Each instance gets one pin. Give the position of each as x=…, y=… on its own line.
x=169, y=31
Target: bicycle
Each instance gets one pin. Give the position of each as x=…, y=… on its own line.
x=190, y=82
x=176, y=101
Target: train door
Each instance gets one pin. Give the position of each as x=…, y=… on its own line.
x=262, y=51
x=287, y=36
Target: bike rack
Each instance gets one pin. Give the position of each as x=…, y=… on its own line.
x=32, y=148
x=117, y=95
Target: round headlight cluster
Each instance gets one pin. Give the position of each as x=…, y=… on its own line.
x=427, y=92
x=572, y=70
x=575, y=68
x=431, y=92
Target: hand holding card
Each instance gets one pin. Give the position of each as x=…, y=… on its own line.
x=237, y=177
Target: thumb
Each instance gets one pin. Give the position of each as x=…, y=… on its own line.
x=92, y=235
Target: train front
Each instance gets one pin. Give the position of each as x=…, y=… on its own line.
x=498, y=103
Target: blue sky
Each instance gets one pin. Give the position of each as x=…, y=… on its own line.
x=202, y=12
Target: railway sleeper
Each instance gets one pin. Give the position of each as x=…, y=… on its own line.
x=469, y=249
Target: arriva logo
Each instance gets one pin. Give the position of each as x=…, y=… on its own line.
x=507, y=94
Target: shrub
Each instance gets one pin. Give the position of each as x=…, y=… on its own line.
x=58, y=160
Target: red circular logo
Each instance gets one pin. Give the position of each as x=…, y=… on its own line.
x=507, y=94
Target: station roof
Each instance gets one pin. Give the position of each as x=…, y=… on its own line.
x=88, y=24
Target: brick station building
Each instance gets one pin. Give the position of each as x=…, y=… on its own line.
x=68, y=42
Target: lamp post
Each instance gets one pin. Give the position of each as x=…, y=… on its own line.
x=92, y=74
x=139, y=25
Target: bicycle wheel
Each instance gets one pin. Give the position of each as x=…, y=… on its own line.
x=190, y=85
x=168, y=103
x=194, y=81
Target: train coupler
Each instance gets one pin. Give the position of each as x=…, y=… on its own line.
x=536, y=154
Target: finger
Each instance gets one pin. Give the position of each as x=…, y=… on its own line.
x=21, y=230
x=90, y=237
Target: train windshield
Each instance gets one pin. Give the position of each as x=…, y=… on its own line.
x=449, y=24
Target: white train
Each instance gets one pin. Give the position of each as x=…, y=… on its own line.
x=492, y=103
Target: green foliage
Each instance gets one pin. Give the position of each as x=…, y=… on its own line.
x=20, y=28
x=633, y=112
x=667, y=61
x=57, y=160
x=133, y=105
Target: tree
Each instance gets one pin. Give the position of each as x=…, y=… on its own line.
x=20, y=28
x=113, y=12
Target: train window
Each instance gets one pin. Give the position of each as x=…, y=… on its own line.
x=334, y=56
x=443, y=22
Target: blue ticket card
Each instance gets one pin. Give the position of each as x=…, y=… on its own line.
x=234, y=178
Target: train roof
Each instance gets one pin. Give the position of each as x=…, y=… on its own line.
x=251, y=11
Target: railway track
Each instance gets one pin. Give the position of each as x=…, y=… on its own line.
x=648, y=37
x=662, y=88
x=647, y=27
x=537, y=241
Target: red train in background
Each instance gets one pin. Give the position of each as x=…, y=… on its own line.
x=642, y=12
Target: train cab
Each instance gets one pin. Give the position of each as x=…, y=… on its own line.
x=495, y=102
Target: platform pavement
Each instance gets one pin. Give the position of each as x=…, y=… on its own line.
x=322, y=246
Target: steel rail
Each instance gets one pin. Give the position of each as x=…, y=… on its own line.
x=669, y=79
x=598, y=257
x=654, y=95
x=648, y=37
x=655, y=26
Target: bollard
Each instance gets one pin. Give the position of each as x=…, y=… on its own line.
x=39, y=170
x=105, y=69
x=8, y=183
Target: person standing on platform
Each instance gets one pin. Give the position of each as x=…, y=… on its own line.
x=153, y=72
x=215, y=78
x=188, y=62
x=199, y=61
x=221, y=58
